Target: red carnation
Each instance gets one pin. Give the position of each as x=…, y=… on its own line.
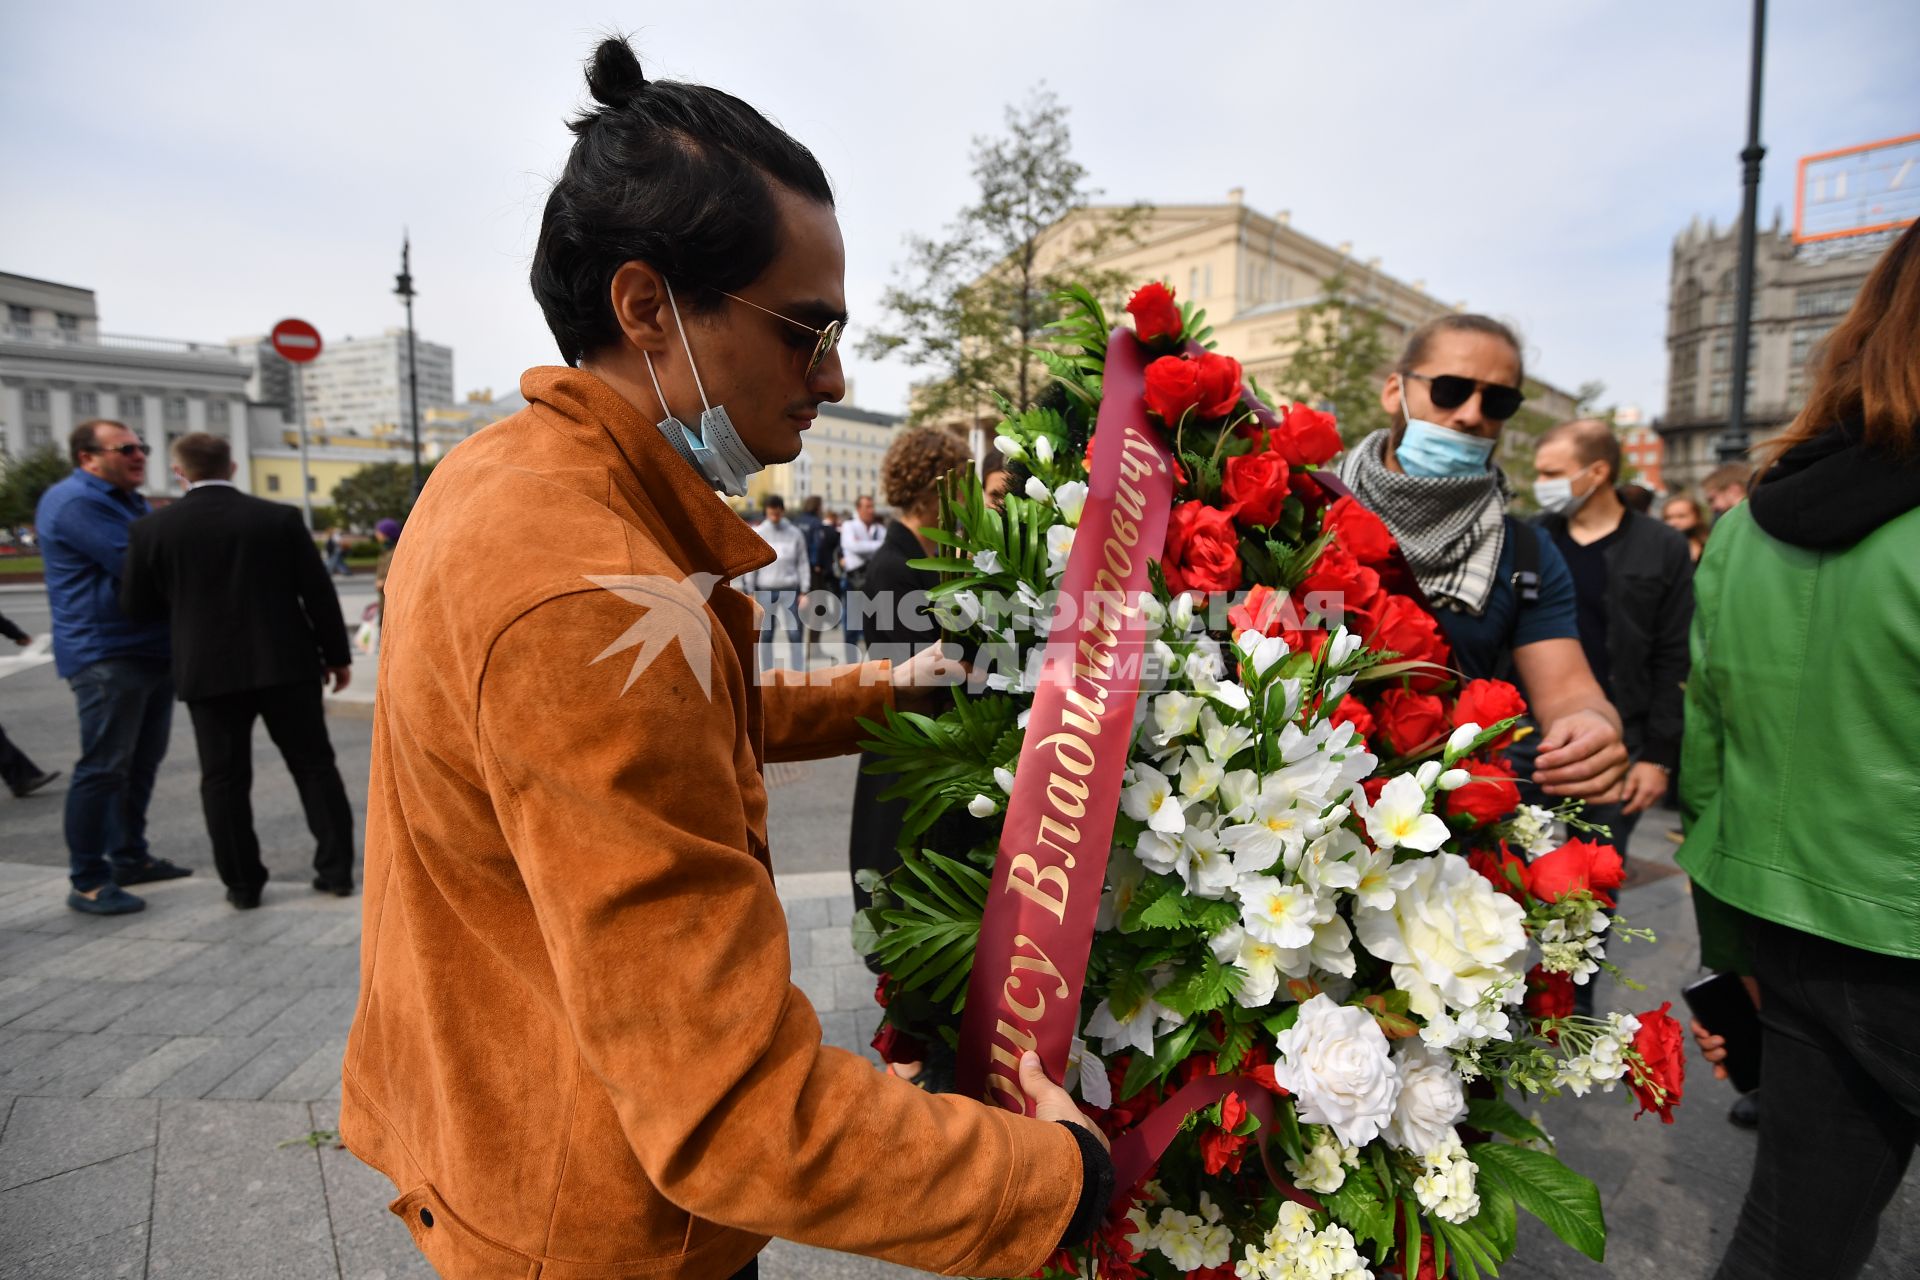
x=1576, y=865
x=1262, y=612
x=1549, y=995
x=1502, y=868
x=1663, y=1074
x=1203, y=550
x=1487, y=703
x=1397, y=624
x=1409, y=721
x=1490, y=797
x=1256, y=486
x=1155, y=316
x=1220, y=1147
x=1209, y=385
x=1362, y=533
x=1338, y=574
x=1354, y=712
x=1307, y=438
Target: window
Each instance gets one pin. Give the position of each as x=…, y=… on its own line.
x=217, y=411
x=36, y=398
x=39, y=436
x=67, y=321
x=1723, y=311
x=1830, y=300
x=19, y=315
x=273, y=484
x=176, y=408
x=1687, y=314
x=312, y=485
x=86, y=404
x=133, y=408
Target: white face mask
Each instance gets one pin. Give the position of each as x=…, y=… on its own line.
x=717, y=452
x=1556, y=497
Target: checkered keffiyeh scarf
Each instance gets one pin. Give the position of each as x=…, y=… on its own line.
x=1450, y=528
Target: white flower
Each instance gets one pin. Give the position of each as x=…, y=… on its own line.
x=1151, y=800
x=987, y=560
x=1009, y=447
x=1532, y=829
x=1208, y=869
x=1180, y=616
x=1043, y=450
x=1258, y=960
x=1399, y=820
x=1342, y=646
x=1059, y=547
x=1238, y=790
x=1431, y=1100
x=1279, y=827
x=1199, y=775
x=1283, y=914
x=1450, y=936
x=1036, y=488
x=1003, y=778
x=1175, y=715
x=982, y=806
x=1460, y=741
x=1229, y=694
x=1370, y=875
x=1427, y=774
x=1325, y=1168
x=1125, y=875
x=1135, y=1030
x=1085, y=1070
x=1334, y=1060
x=1453, y=780
x=1071, y=498
x=1259, y=653
x=1447, y=1189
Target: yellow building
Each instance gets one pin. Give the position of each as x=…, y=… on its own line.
x=839, y=460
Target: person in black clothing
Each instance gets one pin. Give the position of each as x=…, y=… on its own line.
x=22, y=776
x=256, y=632
x=1633, y=596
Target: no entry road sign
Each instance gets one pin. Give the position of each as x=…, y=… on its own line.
x=296, y=340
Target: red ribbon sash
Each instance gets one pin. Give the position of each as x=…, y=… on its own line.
x=1031, y=960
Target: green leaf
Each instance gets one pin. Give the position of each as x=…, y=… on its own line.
x=1498, y=1221
x=1568, y=1203
x=1361, y=1207
x=1200, y=990
x=1497, y=1115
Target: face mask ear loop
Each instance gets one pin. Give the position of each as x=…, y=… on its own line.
x=685, y=346
x=664, y=410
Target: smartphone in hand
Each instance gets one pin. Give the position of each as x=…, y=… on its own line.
x=1721, y=1004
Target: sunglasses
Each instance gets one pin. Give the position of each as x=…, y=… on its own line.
x=126, y=450
x=1450, y=391
x=828, y=338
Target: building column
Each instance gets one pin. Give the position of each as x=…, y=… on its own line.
x=13, y=427
x=153, y=429
x=239, y=436
x=60, y=405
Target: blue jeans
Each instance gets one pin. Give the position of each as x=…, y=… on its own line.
x=126, y=713
x=782, y=615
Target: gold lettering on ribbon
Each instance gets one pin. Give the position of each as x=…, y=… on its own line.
x=1026, y=877
x=1009, y=1040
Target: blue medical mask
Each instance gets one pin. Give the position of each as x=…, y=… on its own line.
x=1429, y=449
x=717, y=452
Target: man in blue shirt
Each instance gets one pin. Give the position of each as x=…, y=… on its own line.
x=1499, y=589
x=118, y=669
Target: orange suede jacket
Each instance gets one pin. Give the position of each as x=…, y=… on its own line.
x=577, y=1052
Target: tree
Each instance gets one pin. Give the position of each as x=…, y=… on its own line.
x=968, y=305
x=376, y=492
x=1340, y=359
x=24, y=479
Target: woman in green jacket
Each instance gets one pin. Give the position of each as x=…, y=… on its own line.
x=1801, y=785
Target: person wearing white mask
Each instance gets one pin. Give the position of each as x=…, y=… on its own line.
x=1633, y=595
x=1500, y=591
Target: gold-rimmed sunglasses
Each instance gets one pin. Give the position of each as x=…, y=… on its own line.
x=829, y=337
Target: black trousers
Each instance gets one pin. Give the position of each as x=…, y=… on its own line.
x=297, y=723
x=1840, y=1071
x=16, y=770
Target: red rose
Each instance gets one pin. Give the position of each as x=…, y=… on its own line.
x=1549, y=995
x=1373, y=787
x=1308, y=640
x=1409, y=721
x=1154, y=314
x=1396, y=623
x=1576, y=865
x=1354, y=712
x=1490, y=797
x=1662, y=1076
x=1495, y=865
x=1220, y=1147
x=1362, y=533
x=1203, y=550
x=1307, y=438
x=895, y=1045
x=1256, y=486
x=1487, y=703
x=1263, y=612
x=1209, y=385
x=1338, y=574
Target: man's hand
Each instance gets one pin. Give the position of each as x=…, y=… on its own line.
x=1050, y=1101
x=340, y=676
x=1713, y=1048
x=1644, y=785
x=1581, y=756
x=919, y=682
x=24, y=640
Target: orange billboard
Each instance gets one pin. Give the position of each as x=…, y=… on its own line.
x=1856, y=191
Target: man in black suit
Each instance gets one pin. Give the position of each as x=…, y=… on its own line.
x=256, y=632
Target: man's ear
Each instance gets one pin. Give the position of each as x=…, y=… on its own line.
x=638, y=295
x=233, y=469
x=1390, y=392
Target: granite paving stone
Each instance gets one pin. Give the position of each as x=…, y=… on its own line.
x=185, y=1009
x=120, y=1254
x=219, y=1061
x=81, y=1065
x=56, y=1213
x=282, y=1056
x=90, y=1006
x=49, y=1136
x=139, y=1079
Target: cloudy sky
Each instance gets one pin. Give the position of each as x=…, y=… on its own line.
x=210, y=168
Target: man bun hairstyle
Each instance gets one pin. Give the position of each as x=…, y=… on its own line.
x=680, y=176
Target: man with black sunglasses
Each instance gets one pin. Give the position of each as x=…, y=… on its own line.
x=1501, y=592
x=118, y=669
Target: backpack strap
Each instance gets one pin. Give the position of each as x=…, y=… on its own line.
x=1526, y=561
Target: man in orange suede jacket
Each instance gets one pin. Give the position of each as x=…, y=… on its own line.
x=577, y=1052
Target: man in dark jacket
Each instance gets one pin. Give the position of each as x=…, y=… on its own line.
x=1633, y=592
x=256, y=629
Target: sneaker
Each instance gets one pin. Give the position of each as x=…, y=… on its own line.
x=338, y=888
x=107, y=900
x=32, y=785
x=1746, y=1111
x=243, y=899
x=149, y=871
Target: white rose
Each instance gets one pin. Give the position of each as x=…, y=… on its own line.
x=1450, y=936
x=1431, y=1098
x=1335, y=1062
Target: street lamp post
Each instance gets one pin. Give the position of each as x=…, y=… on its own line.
x=403, y=288
x=1733, y=444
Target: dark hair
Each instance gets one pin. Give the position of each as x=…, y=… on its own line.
x=84, y=440
x=772, y=501
x=676, y=175
x=202, y=456
x=1419, y=340
x=1636, y=497
x=1727, y=475
x=1866, y=372
x=813, y=504
x=1591, y=441
x=914, y=463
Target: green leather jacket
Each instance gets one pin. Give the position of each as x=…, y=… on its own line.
x=1800, y=768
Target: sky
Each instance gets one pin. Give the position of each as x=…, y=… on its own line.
x=210, y=168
